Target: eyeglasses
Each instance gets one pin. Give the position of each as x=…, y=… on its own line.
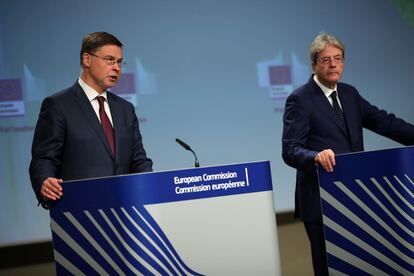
x=111, y=60
x=328, y=60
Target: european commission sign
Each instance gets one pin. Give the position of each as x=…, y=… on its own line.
x=368, y=213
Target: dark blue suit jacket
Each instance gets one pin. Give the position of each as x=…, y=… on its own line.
x=310, y=126
x=69, y=141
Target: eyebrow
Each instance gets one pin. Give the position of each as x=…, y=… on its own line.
x=338, y=55
x=112, y=57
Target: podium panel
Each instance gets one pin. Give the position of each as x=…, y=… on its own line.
x=203, y=221
x=368, y=213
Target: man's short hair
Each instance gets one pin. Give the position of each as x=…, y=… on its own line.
x=92, y=42
x=320, y=42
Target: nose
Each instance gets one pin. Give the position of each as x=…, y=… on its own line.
x=332, y=63
x=117, y=67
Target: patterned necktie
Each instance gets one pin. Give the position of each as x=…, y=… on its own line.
x=106, y=124
x=337, y=108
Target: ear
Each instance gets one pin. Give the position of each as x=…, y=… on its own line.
x=86, y=60
x=313, y=67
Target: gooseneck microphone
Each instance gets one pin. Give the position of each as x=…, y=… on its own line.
x=187, y=147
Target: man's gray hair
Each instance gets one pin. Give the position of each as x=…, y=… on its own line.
x=320, y=42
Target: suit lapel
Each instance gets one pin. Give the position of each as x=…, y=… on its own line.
x=116, y=111
x=87, y=110
x=348, y=107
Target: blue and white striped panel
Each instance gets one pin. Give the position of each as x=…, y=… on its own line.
x=369, y=225
x=114, y=241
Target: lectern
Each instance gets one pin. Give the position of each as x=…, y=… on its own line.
x=368, y=213
x=217, y=220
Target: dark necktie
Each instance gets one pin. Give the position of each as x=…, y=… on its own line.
x=337, y=108
x=106, y=124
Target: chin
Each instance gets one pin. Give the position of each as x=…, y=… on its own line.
x=333, y=80
x=110, y=84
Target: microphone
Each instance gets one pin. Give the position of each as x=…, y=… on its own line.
x=187, y=147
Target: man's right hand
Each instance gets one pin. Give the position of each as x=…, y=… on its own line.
x=51, y=188
x=326, y=159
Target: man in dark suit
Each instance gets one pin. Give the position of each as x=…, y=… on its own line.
x=322, y=118
x=86, y=131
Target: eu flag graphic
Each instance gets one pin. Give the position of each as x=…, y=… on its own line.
x=11, y=98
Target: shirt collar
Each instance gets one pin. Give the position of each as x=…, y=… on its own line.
x=90, y=92
x=327, y=91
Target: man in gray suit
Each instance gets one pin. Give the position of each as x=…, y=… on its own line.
x=86, y=131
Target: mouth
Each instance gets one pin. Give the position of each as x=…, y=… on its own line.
x=113, y=78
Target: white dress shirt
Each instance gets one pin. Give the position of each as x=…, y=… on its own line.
x=327, y=91
x=92, y=97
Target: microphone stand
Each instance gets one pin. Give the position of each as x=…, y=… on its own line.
x=187, y=147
